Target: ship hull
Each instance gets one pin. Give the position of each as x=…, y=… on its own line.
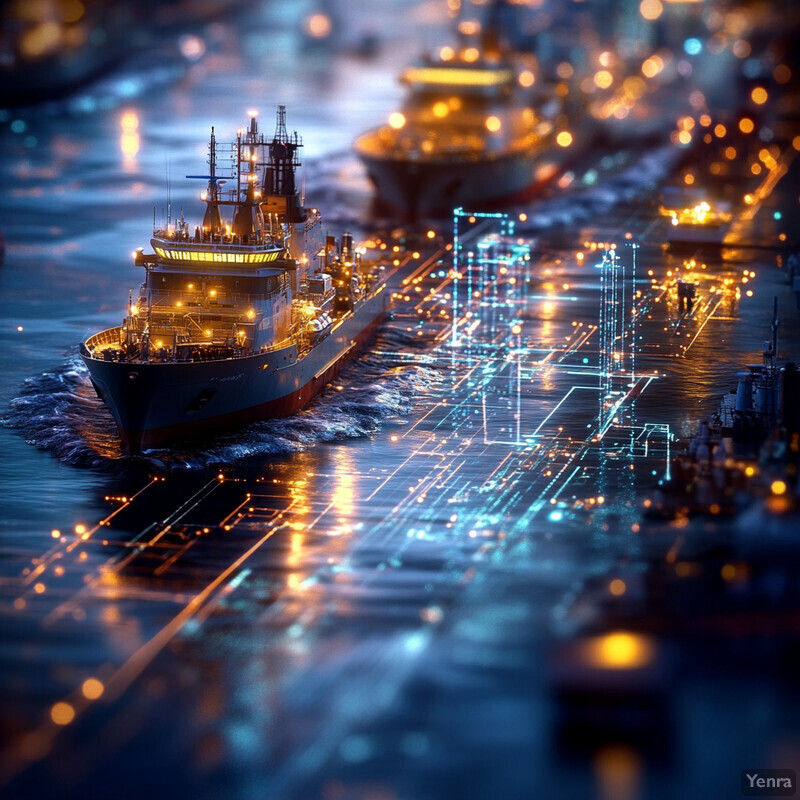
x=696, y=234
x=432, y=188
x=159, y=403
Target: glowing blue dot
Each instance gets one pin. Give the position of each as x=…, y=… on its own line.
x=777, y=215
x=415, y=641
x=19, y=126
x=555, y=516
x=355, y=749
x=85, y=104
x=128, y=87
x=585, y=360
x=693, y=46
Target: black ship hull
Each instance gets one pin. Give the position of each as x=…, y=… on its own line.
x=432, y=188
x=159, y=403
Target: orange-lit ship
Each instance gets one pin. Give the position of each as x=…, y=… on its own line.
x=693, y=219
x=241, y=319
x=467, y=135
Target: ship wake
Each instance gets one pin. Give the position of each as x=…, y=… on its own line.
x=58, y=411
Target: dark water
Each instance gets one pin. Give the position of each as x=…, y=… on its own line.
x=366, y=600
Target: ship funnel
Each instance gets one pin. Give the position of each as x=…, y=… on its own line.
x=744, y=392
x=280, y=189
x=212, y=221
x=248, y=218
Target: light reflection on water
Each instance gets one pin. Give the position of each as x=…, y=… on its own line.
x=386, y=632
x=385, y=579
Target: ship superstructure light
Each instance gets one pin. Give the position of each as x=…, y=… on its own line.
x=450, y=76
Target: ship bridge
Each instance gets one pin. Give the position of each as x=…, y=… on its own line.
x=184, y=251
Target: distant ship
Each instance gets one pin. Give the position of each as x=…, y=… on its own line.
x=238, y=319
x=692, y=218
x=465, y=136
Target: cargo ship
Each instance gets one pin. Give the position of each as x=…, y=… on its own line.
x=467, y=135
x=246, y=316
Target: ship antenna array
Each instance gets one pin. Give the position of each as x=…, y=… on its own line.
x=281, y=134
x=169, y=190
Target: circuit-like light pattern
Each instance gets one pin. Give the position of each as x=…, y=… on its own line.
x=506, y=438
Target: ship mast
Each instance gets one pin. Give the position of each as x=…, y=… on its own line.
x=212, y=222
x=248, y=218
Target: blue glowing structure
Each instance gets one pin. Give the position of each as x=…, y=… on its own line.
x=613, y=332
x=464, y=260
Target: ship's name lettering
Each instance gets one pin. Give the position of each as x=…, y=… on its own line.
x=232, y=377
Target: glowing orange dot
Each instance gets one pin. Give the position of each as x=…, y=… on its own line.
x=746, y=125
x=603, y=79
x=564, y=139
x=650, y=9
x=318, y=25
x=92, y=688
x=617, y=587
x=62, y=713
x=493, y=124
